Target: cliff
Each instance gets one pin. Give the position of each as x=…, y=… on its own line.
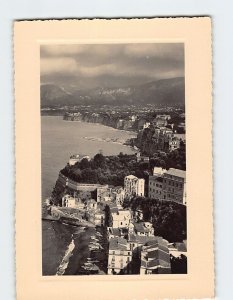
x=103, y=118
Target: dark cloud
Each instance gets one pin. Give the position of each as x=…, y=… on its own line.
x=88, y=66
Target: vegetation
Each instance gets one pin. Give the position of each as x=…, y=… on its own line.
x=113, y=169
x=167, y=217
x=174, y=159
x=107, y=169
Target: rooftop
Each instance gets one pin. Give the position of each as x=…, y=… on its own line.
x=176, y=172
x=118, y=243
x=131, y=177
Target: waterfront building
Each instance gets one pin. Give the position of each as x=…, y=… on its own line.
x=77, y=158
x=68, y=201
x=155, y=257
x=119, y=256
x=168, y=185
x=134, y=186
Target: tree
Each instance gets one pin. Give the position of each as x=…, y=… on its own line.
x=108, y=216
x=99, y=160
x=84, y=164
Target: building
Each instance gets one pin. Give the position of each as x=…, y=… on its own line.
x=141, y=158
x=116, y=194
x=134, y=186
x=174, y=185
x=173, y=144
x=168, y=185
x=155, y=257
x=68, y=201
x=77, y=158
x=119, y=256
x=178, y=249
x=160, y=122
x=166, y=117
x=99, y=218
x=155, y=189
x=144, y=229
x=91, y=204
x=120, y=218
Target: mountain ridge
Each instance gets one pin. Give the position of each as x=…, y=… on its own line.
x=163, y=91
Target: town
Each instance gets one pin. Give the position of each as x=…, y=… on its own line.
x=137, y=203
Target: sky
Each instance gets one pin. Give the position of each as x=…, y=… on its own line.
x=82, y=66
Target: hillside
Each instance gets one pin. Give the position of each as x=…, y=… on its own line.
x=162, y=92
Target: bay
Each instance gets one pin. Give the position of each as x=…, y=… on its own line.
x=59, y=140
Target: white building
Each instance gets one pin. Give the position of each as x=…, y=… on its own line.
x=119, y=256
x=99, y=218
x=68, y=201
x=121, y=218
x=77, y=158
x=134, y=186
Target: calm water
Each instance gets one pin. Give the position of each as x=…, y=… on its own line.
x=60, y=139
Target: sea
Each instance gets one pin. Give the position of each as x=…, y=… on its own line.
x=63, y=244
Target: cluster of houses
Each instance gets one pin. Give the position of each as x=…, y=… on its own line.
x=134, y=247
x=133, y=244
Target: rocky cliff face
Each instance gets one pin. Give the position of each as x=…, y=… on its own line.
x=105, y=119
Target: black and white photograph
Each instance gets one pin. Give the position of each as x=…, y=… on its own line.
x=113, y=159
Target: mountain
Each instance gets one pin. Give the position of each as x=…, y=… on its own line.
x=161, y=92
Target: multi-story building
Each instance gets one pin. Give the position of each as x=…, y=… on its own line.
x=68, y=201
x=168, y=185
x=134, y=186
x=116, y=194
x=155, y=257
x=120, y=218
x=99, y=218
x=174, y=185
x=119, y=256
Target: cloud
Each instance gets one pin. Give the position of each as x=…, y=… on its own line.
x=90, y=65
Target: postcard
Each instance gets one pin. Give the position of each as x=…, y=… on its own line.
x=114, y=159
